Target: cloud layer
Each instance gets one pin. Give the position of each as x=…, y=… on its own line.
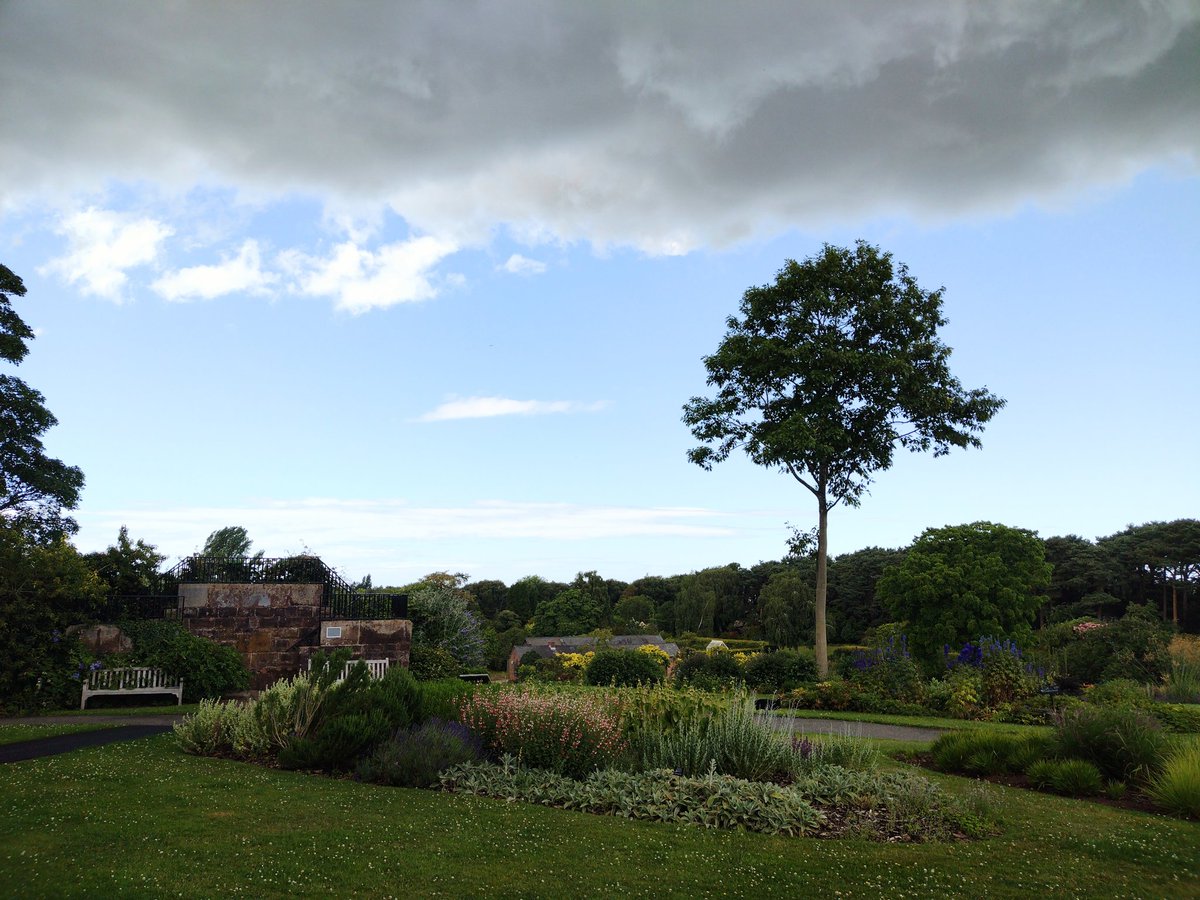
x=490, y=407
x=663, y=126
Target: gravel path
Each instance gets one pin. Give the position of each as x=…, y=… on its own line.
x=852, y=729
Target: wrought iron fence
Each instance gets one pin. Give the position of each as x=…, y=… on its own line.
x=338, y=599
x=135, y=607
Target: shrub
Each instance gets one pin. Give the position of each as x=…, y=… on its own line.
x=208, y=669
x=1177, y=787
x=779, y=671
x=988, y=752
x=709, y=671
x=1119, y=692
x=1182, y=684
x=889, y=671
x=206, y=731
x=441, y=699
x=570, y=735
x=337, y=744
x=1177, y=717
x=843, y=751
x=416, y=756
x=1073, y=777
x=732, y=742
x=712, y=801
x=661, y=708
x=1134, y=646
x=427, y=663
x=623, y=668
x=1124, y=744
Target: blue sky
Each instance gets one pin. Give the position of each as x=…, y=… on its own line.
x=427, y=291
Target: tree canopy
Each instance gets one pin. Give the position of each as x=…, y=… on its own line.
x=828, y=370
x=33, y=486
x=963, y=582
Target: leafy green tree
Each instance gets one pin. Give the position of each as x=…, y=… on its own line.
x=525, y=595
x=633, y=614
x=785, y=608
x=490, y=595
x=596, y=592
x=128, y=568
x=231, y=542
x=1158, y=562
x=573, y=611
x=825, y=373
x=33, y=486
x=442, y=619
x=1081, y=572
x=45, y=585
x=852, y=601
x=963, y=582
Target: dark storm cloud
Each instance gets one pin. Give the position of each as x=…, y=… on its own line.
x=666, y=126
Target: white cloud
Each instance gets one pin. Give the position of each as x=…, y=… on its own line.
x=664, y=126
x=359, y=279
x=102, y=246
x=240, y=274
x=342, y=528
x=522, y=265
x=489, y=407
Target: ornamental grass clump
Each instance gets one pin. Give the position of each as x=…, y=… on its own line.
x=1125, y=744
x=1177, y=787
x=564, y=733
x=733, y=741
x=1073, y=777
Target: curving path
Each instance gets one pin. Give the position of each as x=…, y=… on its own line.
x=851, y=728
x=128, y=728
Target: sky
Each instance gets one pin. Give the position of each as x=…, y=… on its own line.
x=424, y=287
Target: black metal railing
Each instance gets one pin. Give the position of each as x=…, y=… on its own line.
x=136, y=607
x=338, y=599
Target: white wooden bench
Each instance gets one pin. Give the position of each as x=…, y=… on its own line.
x=124, y=682
x=376, y=668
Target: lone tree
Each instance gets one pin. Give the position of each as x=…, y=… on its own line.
x=34, y=487
x=826, y=371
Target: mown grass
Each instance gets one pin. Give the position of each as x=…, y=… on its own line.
x=13, y=733
x=141, y=819
x=912, y=721
x=173, y=709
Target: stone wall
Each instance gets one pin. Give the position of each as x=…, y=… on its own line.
x=270, y=625
x=277, y=627
x=389, y=639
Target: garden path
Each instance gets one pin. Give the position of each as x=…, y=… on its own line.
x=851, y=728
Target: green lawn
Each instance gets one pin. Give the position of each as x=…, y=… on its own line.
x=14, y=733
x=160, y=710
x=914, y=721
x=141, y=819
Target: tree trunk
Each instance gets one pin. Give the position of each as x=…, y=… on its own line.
x=821, y=642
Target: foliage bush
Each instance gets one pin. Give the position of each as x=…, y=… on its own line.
x=416, y=756
x=443, y=620
x=1176, y=788
x=718, y=670
x=623, y=668
x=988, y=752
x=441, y=699
x=1182, y=683
x=428, y=663
x=1073, y=777
x=712, y=801
x=1088, y=652
x=1119, y=692
x=1177, y=717
x=568, y=734
x=889, y=671
x=1125, y=744
x=732, y=742
x=781, y=670
x=208, y=669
